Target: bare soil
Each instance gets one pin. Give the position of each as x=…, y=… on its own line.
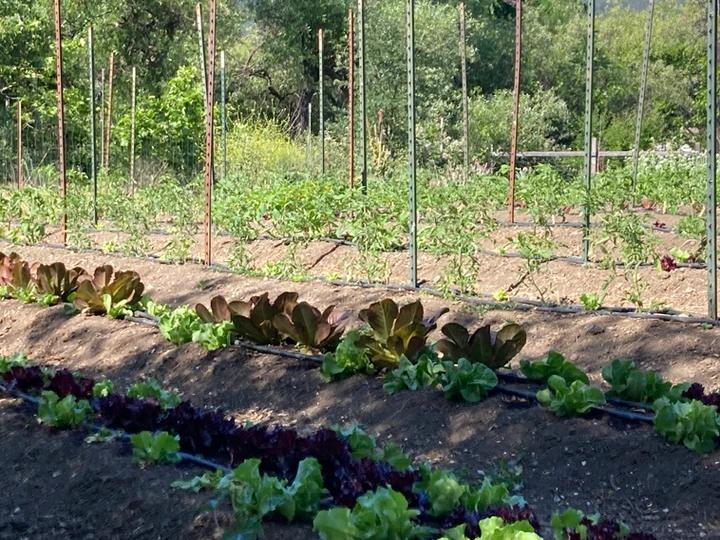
x=623, y=470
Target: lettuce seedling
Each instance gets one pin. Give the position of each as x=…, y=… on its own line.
x=553, y=364
x=691, y=423
x=396, y=332
x=428, y=371
x=364, y=446
x=63, y=413
x=102, y=389
x=632, y=384
x=152, y=389
x=348, y=359
x=9, y=362
x=158, y=449
x=494, y=349
x=468, y=382
x=570, y=399
x=179, y=325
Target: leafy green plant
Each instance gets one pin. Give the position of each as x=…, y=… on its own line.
x=58, y=282
x=573, y=523
x=494, y=528
x=108, y=294
x=378, y=515
x=591, y=301
x=691, y=423
x=152, y=389
x=490, y=348
x=632, y=384
x=553, y=364
x=9, y=362
x=309, y=327
x=103, y=388
x=214, y=336
x=364, y=446
x=155, y=449
x=254, y=320
x=220, y=310
x=570, y=399
x=427, y=371
x=396, y=332
x=179, y=325
x=349, y=358
x=63, y=413
x=467, y=381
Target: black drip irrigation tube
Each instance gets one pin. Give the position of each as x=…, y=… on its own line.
x=147, y=319
x=119, y=434
x=516, y=304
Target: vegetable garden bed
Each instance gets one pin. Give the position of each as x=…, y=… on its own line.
x=623, y=470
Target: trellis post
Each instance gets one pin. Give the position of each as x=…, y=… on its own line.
x=363, y=95
x=516, y=109
x=643, y=93
x=93, y=142
x=133, y=115
x=108, y=124
x=19, y=146
x=463, y=75
x=412, y=180
x=321, y=98
x=60, y=97
x=711, y=205
x=223, y=115
x=589, y=71
x=351, y=98
x=209, y=131
x=102, y=118
x=201, y=51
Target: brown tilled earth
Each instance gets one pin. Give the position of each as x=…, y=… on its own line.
x=623, y=470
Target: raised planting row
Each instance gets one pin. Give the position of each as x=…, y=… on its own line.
x=394, y=341
x=337, y=478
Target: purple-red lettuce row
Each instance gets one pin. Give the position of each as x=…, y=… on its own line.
x=25, y=379
x=64, y=383
x=129, y=414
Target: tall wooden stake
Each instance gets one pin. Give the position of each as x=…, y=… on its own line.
x=60, y=96
x=363, y=95
x=351, y=98
x=108, y=123
x=133, y=114
x=412, y=180
x=223, y=115
x=102, y=118
x=93, y=143
x=463, y=74
x=210, y=131
x=516, y=107
x=19, y=146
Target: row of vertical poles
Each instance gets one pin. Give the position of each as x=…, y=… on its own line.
x=412, y=183
x=643, y=93
x=588, y=169
x=60, y=96
x=711, y=205
x=464, y=83
x=209, y=128
x=515, y=109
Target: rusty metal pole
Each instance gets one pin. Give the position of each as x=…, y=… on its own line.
x=321, y=96
x=108, y=124
x=93, y=142
x=102, y=118
x=60, y=96
x=210, y=131
x=463, y=75
x=363, y=95
x=351, y=97
x=201, y=48
x=19, y=145
x=516, y=108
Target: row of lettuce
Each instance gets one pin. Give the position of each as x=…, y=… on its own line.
x=394, y=340
x=339, y=478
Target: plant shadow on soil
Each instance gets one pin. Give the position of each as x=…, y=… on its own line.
x=625, y=471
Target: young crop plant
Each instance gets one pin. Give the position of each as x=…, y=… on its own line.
x=570, y=399
x=254, y=320
x=307, y=326
x=396, y=332
x=348, y=359
x=68, y=412
x=632, y=384
x=9, y=362
x=536, y=250
x=553, y=364
x=495, y=528
x=426, y=372
x=493, y=349
x=364, y=446
x=55, y=283
x=220, y=310
x=468, y=382
x=108, y=294
x=152, y=390
x=691, y=423
x=155, y=449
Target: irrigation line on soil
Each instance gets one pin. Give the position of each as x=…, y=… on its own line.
x=119, y=434
x=516, y=304
x=147, y=319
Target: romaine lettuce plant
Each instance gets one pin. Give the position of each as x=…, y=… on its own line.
x=220, y=310
x=396, y=332
x=494, y=349
x=632, y=384
x=155, y=449
x=68, y=412
x=307, y=326
x=553, y=364
x=108, y=294
x=467, y=381
x=570, y=399
x=691, y=423
x=254, y=320
x=57, y=282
